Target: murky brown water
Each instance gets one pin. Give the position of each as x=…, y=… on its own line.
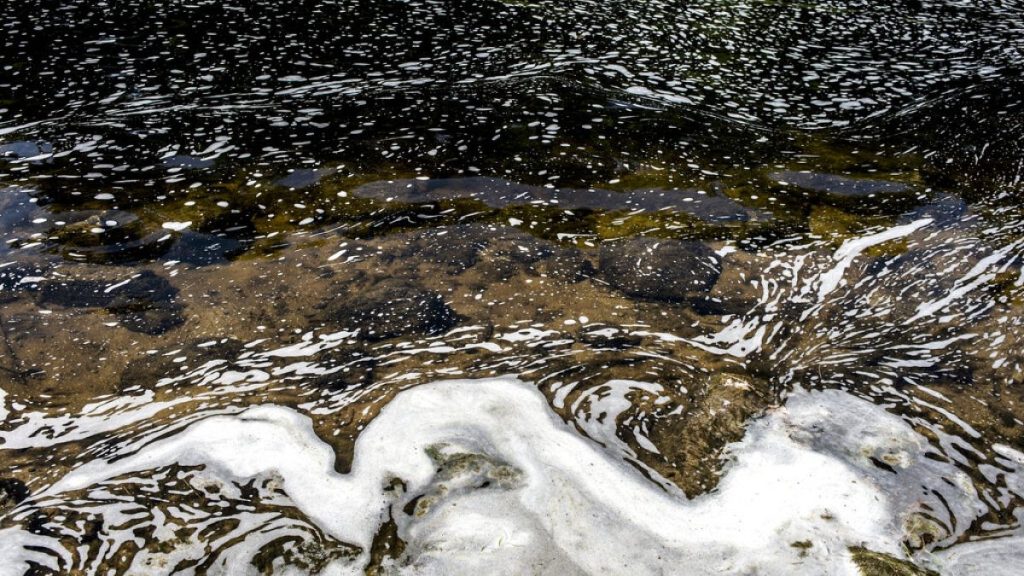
x=484, y=287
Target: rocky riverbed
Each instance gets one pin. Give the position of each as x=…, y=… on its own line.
x=500, y=287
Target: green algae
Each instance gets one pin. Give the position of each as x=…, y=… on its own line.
x=872, y=563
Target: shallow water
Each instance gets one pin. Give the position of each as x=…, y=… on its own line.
x=509, y=287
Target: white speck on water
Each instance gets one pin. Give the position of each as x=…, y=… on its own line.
x=176, y=226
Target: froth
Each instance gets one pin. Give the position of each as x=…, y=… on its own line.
x=492, y=481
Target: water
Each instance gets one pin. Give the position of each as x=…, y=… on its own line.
x=511, y=287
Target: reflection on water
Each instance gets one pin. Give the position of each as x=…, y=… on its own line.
x=511, y=287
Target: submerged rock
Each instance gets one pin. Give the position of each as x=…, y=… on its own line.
x=451, y=251
x=690, y=445
x=663, y=270
x=462, y=473
x=18, y=277
x=389, y=309
x=870, y=563
x=946, y=210
x=147, y=371
x=24, y=149
x=143, y=304
x=515, y=252
x=12, y=492
x=109, y=237
x=187, y=161
x=153, y=320
x=501, y=193
x=203, y=249
x=839, y=185
x=566, y=264
x=146, y=287
x=75, y=293
x=304, y=178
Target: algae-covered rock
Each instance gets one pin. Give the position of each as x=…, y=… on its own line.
x=145, y=303
x=461, y=472
x=872, y=563
x=717, y=414
x=203, y=249
x=12, y=492
x=389, y=309
x=839, y=185
x=147, y=371
x=661, y=270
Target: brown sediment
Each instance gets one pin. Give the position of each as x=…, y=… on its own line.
x=80, y=358
x=490, y=280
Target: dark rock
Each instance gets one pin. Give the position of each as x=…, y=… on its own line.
x=302, y=178
x=12, y=279
x=122, y=252
x=203, y=249
x=147, y=287
x=707, y=305
x=75, y=293
x=664, y=270
x=153, y=320
x=145, y=304
x=109, y=237
x=390, y=309
x=24, y=149
x=946, y=210
x=839, y=185
x=12, y=493
x=617, y=341
x=454, y=250
x=568, y=265
x=494, y=192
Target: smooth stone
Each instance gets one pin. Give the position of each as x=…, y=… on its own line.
x=152, y=320
x=946, y=210
x=145, y=304
x=453, y=250
x=500, y=193
x=24, y=149
x=568, y=265
x=839, y=185
x=390, y=309
x=303, y=178
x=147, y=288
x=662, y=270
x=12, y=493
x=201, y=249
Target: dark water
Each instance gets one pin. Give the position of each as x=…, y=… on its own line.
x=674, y=219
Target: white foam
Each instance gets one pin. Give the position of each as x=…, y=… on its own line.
x=995, y=557
x=16, y=552
x=176, y=226
x=845, y=254
x=578, y=509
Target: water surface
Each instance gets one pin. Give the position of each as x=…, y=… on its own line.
x=511, y=287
